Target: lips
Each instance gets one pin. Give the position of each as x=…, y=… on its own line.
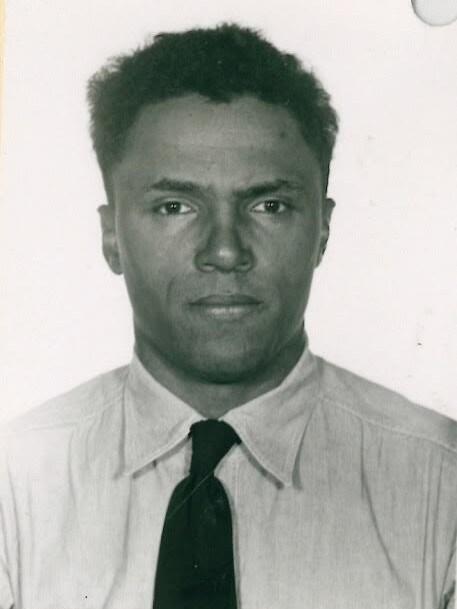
x=226, y=300
x=226, y=307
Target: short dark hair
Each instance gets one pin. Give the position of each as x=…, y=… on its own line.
x=219, y=63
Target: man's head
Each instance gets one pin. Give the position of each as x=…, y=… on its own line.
x=219, y=64
x=214, y=148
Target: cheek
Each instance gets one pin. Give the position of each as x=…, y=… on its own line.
x=142, y=257
x=294, y=265
x=143, y=237
x=156, y=264
x=294, y=253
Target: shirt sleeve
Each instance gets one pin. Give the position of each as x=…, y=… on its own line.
x=6, y=597
x=448, y=600
x=6, y=594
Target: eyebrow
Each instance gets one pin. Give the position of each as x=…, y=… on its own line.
x=261, y=188
x=184, y=186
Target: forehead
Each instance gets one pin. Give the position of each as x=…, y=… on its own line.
x=229, y=143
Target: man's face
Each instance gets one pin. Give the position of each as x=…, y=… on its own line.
x=219, y=220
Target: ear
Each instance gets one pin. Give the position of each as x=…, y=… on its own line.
x=327, y=209
x=109, y=238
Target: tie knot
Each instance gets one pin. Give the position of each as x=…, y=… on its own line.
x=211, y=440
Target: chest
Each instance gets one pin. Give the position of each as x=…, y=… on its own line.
x=322, y=542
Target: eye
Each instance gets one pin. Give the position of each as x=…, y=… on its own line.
x=270, y=206
x=173, y=208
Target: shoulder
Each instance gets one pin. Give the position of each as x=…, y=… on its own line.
x=70, y=437
x=384, y=408
x=69, y=410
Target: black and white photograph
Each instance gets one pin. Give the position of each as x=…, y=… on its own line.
x=228, y=331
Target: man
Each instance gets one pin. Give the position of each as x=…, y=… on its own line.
x=309, y=487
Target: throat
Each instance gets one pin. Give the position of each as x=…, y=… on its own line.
x=214, y=399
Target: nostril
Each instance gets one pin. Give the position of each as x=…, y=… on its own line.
x=246, y=263
x=225, y=253
x=227, y=262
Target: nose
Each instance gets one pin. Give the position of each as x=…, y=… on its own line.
x=222, y=248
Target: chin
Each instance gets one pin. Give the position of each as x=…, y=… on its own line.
x=226, y=368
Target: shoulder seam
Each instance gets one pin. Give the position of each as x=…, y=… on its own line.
x=119, y=391
x=394, y=429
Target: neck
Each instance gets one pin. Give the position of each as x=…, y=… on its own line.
x=213, y=400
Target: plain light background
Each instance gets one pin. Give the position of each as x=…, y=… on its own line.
x=384, y=302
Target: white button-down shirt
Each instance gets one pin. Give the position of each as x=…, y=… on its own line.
x=344, y=495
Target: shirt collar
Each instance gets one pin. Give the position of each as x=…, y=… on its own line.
x=271, y=426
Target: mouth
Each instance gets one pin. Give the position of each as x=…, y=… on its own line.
x=226, y=306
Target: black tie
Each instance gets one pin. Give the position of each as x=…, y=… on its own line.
x=195, y=565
